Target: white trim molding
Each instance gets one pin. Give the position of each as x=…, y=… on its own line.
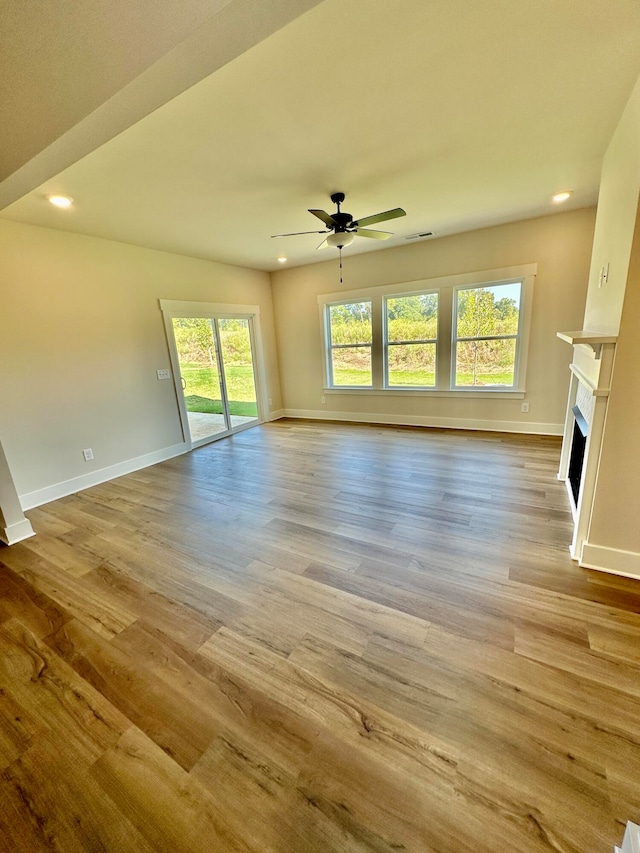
x=102, y=475
x=428, y=284
x=525, y=428
x=275, y=415
x=14, y=527
x=179, y=308
x=611, y=560
x=631, y=840
x=16, y=532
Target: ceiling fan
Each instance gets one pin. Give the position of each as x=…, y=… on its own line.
x=343, y=229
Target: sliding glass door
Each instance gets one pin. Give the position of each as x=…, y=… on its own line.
x=234, y=335
x=217, y=375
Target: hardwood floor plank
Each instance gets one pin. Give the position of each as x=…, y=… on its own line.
x=19, y=600
x=179, y=726
x=489, y=715
x=72, y=595
x=195, y=826
x=57, y=700
x=617, y=674
x=187, y=626
x=61, y=553
x=560, y=688
x=474, y=624
x=268, y=807
x=347, y=717
x=60, y=806
x=620, y=642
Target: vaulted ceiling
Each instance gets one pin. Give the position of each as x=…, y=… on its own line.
x=205, y=127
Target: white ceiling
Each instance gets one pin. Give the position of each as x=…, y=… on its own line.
x=465, y=114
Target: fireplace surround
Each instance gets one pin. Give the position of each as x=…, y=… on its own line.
x=591, y=370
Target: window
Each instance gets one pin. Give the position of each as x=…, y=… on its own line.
x=350, y=341
x=411, y=326
x=457, y=335
x=487, y=323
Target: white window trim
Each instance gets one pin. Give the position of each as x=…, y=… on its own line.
x=445, y=286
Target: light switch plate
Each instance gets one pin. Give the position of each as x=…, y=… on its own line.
x=164, y=374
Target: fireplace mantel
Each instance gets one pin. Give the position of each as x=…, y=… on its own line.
x=590, y=382
x=590, y=339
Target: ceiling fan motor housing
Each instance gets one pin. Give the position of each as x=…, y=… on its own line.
x=342, y=220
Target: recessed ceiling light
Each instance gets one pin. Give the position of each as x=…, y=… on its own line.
x=282, y=260
x=60, y=200
x=558, y=198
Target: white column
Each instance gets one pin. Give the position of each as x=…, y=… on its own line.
x=13, y=525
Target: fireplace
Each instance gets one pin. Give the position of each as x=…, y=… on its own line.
x=591, y=371
x=576, y=457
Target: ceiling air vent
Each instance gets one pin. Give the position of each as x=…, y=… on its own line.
x=421, y=234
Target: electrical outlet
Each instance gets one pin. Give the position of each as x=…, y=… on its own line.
x=163, y=374
x=524, y=408
x=88, y=454
x=269, y=402
x=323, y=400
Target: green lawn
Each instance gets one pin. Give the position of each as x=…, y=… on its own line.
x=202, y=393
x=417, y=378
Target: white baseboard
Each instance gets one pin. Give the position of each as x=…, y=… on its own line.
x=77, y=484
x=275, y=415
x=16, y=532
x=611, y=560
x=525, y=427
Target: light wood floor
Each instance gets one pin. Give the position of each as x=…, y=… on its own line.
x=318, y=637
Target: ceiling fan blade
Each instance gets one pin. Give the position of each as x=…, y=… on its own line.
x=323, y=245
x=380, y=217
x=326, y=218
x=377, y=235
x=296, y=233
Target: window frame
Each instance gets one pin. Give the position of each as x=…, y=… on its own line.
x=445, y=286
x=386, y=343
x=517, y=337
x=330, y=346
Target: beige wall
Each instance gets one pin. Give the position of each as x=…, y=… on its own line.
x=561, y=246
x=617, y=202
x=81, y=338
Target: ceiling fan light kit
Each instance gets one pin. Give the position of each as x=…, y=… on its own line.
x=340, y=239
